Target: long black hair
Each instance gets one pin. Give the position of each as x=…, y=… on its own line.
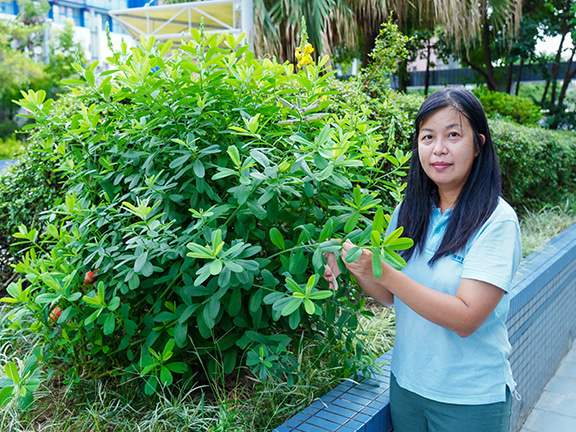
x=479, y=195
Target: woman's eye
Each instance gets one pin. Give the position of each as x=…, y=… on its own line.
x=453, y=134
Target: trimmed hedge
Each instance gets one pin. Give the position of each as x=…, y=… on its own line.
x=537, y=165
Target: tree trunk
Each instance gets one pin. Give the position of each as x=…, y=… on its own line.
x=509, y=77
x=519, y=77
x=368, y=46
x=568, y=75
x=490, y=76
x=556, y=65
x=427, y=73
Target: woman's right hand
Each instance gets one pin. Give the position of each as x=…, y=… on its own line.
x=331, y=270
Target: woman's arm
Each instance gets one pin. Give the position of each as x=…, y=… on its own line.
x=463, y=313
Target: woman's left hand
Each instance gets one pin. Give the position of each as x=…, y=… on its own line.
x=362, y=267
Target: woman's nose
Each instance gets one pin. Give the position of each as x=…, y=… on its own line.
x=440, y=147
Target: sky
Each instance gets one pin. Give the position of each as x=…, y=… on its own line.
x=550, y=45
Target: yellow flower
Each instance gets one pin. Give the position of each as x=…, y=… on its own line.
x=304, y=58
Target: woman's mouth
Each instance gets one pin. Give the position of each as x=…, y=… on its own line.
x=440, y=165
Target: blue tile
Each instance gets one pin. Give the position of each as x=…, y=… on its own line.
x=371, y=411
x=377, y=404
x=337, y=409
x=282, y=428
x=301, y=417
x=323, y=423
x=364, y=392
x=318, y=404
x=310, y=410
x=364, y=418
x=305, y=427
x=293, y=422
x=348, y=405
x=363, y=401
x=333, y=417
x=356, y=425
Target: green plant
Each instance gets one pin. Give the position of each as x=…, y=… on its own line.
x=26, y=190
x=518, y=109
x=204, y=187
x=19, y=382
x=9, y=147
x=537, y=164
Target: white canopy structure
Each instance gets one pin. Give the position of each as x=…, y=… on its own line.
x=174, y=21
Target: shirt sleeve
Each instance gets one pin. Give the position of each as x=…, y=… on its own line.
x=393, y=221
x=494, y=254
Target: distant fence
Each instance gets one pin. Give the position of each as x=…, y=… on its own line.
x=541, y=327
x=442, y=77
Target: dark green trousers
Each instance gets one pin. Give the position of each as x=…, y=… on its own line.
x=413, y=413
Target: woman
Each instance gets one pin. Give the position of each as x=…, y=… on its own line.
x=449, y=368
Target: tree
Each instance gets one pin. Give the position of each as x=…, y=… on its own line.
x=482, y=33
x=557, y=17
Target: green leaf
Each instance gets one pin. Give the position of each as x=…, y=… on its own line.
x=151, y=385
x=320, y=295
x=180, y=335
x=377, y=263
x=12, y=371
x=277, y=239
x=199, y=169
x=353, y=254
x=326, y=231
x=166, y=376
x=109, y=324
x=234, y=155
x=351, y=222
x=309, y=306
x=395, y=260
x=177, y=367
x=215, y=267
x=179, y=161
x=6, y=395
x=291, y=306
x=375, y=238
x=140, y=262
x=198, y=251
x=379, y=221
x=294, y=286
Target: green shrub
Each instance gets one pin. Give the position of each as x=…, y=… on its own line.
x=202, y=191
x=9, y=147
x=537, y=165
x=27, y=188
x=505, y=106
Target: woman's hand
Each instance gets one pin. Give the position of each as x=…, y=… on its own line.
x=362, y=267
x=331, y=270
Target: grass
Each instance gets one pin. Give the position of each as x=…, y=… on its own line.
x=9, y=148
x=541, y=226
x=233, y=404
x=236, y=404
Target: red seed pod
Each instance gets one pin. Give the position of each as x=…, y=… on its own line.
x=90, y=277
x=55, y=314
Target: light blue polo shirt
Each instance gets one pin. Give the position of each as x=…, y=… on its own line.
x=436, y=363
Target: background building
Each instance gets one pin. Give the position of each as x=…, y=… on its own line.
x=90, y=18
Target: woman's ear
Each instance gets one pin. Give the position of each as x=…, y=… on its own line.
x=483, y=141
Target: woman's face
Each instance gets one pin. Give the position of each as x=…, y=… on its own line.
x=446, y=150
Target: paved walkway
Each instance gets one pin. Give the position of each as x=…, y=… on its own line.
x=555, y=411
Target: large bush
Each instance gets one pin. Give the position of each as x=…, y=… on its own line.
x=518, y=109
x=537, y=165
x=203, y=187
